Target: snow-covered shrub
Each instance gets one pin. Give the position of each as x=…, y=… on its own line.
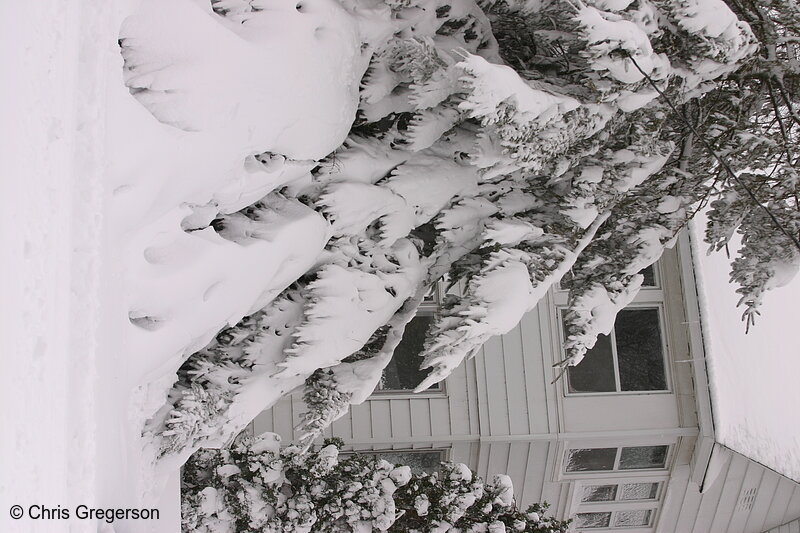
x=502, y=163
x=254, y=487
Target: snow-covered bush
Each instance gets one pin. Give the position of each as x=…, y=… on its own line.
x=255, y=487
x=500, y=162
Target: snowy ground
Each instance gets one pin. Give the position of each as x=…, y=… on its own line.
x=50, y=229
x=103, y=293
x=755, y=394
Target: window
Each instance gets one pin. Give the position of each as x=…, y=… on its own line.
x=616, y=519
x=631, y=359
x=403, y=372
x=420, y=461
x=611, y=459
x=620, y=492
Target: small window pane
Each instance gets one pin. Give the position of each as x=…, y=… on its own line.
x=632, y=518
x=599, y=493
x=596, y=372
x=639, y=350
x=592, y=520
x=639, y=491
x=422, y=462
x=591, y=459
x=641, y=457
x=403, y=372
x=649, y=274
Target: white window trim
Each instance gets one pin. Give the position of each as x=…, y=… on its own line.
x=597, y=477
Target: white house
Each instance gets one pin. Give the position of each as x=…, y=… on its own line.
x=624, y=441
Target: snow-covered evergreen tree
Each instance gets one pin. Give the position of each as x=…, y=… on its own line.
x=504, y=144
x=255, y=487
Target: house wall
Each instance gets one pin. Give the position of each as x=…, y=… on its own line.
x=502, y=412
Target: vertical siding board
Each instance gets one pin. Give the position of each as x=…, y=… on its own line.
x=780, y=502
x=532, y=361
x=483, y=396
x=420, y=417
x=456, y=387
x=689, y=509
x=282, y=418
x=549, y=345
x=740, y=515
x=401, y=418
x=516, y=394
x=730, y=492
x=794, y=527
x=766, y=491
x=461, y=452
x=793, y=509
x=298, y=408
x=498, y=459
x=483, y=459
x=673, y=499
x=496, y=387
x=705, y=515
x=472, y=397
x=343, y=428
x=263, y=422
x=440, y=416
x=517, y=466
x=535, y=471
x=361, y=419
x=381, y=417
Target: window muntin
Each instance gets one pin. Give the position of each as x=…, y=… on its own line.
x=631, y=359
x=616, y=459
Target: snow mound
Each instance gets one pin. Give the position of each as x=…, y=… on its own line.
x=199, y=71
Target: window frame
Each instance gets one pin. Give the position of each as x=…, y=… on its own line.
x=665, y=355
x=618, y=494
x=597, y=477
x=655, y=505
x=613, y=511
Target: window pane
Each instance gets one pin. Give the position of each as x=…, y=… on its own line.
x=422, y=462
x=639, y=350
x=632, y=518
x=589, y=459
x=596, y=372
x=599, y=493
x=592, y=520
x=403, y=372
x=639, y=457
x=639, y=491
x=649, y=274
